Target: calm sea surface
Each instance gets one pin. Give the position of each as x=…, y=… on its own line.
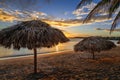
x=4, y=52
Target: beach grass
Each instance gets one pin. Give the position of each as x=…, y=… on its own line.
x=64, y=66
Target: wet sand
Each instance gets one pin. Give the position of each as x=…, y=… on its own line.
x=64, y=66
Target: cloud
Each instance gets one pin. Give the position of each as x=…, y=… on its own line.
x=5, y=16
x=79, y=17
x=74, y=22
x=17, y=15
x=102, y=29
x=83, y=11
x=28, y=15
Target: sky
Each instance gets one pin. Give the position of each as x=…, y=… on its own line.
x=61, y=14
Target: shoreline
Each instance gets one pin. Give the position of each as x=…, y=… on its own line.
x=29, y=55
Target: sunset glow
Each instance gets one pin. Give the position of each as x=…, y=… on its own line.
x=66, y=18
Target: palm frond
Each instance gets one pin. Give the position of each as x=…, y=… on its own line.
x=115, y=22
x=83, y=2
x=101, y=5
x=115, y=4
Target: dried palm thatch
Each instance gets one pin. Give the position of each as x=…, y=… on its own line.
x=31, y=34
x=94, y=44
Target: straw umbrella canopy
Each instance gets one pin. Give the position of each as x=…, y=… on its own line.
x=32, y=35
x=94, y=44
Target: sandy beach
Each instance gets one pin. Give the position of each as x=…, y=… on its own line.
x=67, y=65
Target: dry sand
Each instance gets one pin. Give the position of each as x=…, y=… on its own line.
x=64, y=66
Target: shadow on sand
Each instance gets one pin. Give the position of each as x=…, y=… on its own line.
x=37, y=76
x=56, y=74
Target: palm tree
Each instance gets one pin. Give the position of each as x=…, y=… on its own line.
x=108, y=6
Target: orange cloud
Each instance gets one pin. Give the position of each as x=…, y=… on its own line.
x=25, y=15
x=62, y=23
x=74, y=22
x=5, y=16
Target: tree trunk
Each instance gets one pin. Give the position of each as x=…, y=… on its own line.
x=35, y=60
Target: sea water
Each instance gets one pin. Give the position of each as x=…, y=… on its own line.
x=4, y=52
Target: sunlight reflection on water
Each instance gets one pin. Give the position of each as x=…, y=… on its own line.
x=57, y=48
x=23, y=51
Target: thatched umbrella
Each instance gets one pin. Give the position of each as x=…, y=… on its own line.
x=93, y=44
x=32, y=35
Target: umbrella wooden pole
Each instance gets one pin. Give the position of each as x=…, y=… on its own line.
x=93, y=54
x=35, y=60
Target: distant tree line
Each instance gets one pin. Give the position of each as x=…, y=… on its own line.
x=112, y=38
x=107, y=38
